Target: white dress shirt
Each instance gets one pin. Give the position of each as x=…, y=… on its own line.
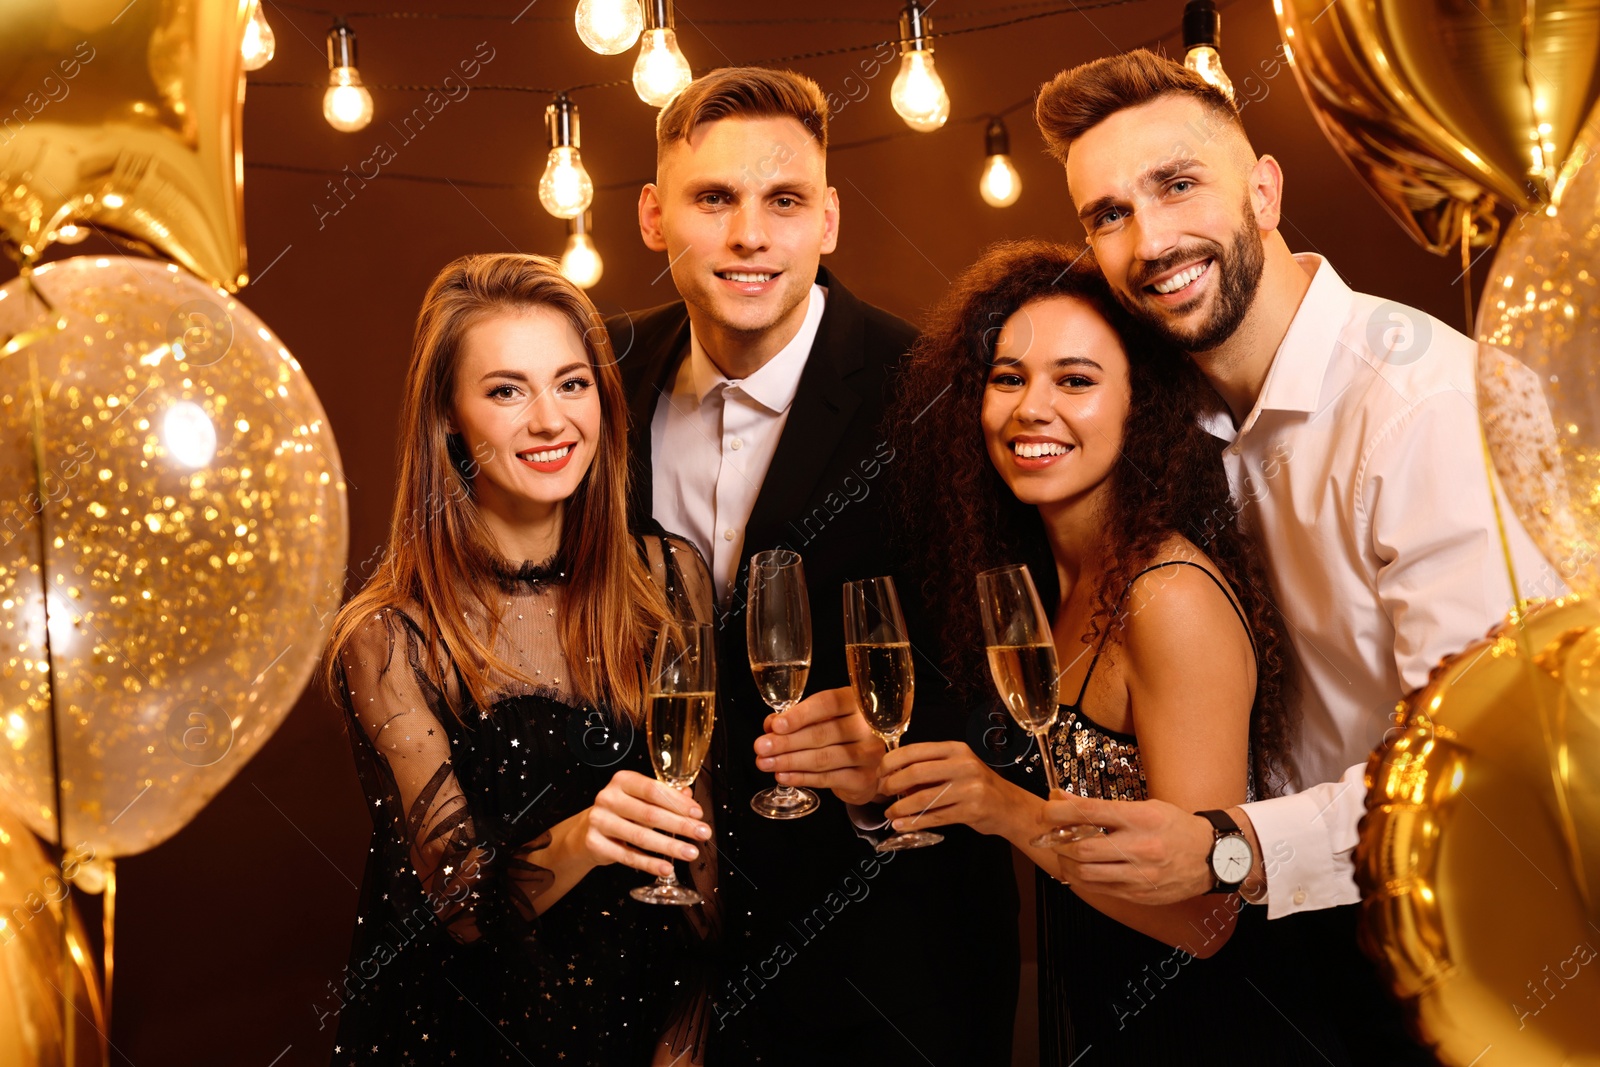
x=1361, y=476
x=712, y=439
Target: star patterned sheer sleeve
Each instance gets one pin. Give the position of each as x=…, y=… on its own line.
x=460, y=954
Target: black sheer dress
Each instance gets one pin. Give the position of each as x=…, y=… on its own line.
x=1111, y=995
x=451, y=963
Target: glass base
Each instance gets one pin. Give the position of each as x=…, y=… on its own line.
x=1066, y=835
x=665, y=893
x=909, y=839
x=785, y=802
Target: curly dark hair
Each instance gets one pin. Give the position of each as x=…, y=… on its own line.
x=1169, y=479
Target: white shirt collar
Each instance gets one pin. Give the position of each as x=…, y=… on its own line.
x=774, y=385
x=1294, y=379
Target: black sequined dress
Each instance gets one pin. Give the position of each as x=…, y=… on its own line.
x=1109, y=994
x=451, y=962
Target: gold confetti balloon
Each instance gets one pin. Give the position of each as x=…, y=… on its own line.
x=1479, y=858
x=1539, y=394
x=35, y=901
x=172, y=546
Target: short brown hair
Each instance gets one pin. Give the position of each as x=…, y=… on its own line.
x=1077, y=100
x=744, y=92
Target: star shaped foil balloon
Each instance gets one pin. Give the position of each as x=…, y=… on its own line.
x=124, y=116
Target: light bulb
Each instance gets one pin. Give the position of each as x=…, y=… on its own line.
x=259, y=43
x=1206, y=62
x=346, y=105
x=608, y=26
x=918, y=93
x=1202, y=37
x=1001, y=184
x=580, y=263
x=661, y=72
x=565, y=189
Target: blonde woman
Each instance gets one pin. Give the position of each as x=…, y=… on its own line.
x=492, y=671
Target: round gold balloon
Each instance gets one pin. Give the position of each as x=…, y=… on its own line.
x=1436, y=103
x=172, y=547
x=35, y=902
x=1481, y=845
x=1539, y=397
x=125, y=116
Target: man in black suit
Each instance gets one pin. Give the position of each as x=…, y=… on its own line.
x=757, y=403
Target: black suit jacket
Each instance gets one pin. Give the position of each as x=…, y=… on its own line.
x=831, y=952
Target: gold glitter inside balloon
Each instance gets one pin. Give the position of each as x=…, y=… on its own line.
x=1542, y=305
x=1481, y=845
x=172, y=546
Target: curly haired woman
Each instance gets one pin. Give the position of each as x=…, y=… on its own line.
x=1068, y=440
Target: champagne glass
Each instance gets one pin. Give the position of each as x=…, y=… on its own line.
x=778, y=632
x=678, y=723
x=1022, y=662
x=879, y=654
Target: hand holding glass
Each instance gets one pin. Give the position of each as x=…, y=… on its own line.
x=1022, y=661
x=778, y=632
x=879, y=655
x=678, y=724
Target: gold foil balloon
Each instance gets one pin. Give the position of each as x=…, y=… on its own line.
x=172, y=547
x=1481, y=846
x=1541, y=305
x=125, y=117
x=1436, y=103
x=38, y=959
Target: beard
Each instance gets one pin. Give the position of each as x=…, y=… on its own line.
x=1238, y=276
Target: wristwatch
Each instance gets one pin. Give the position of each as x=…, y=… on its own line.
x=1231, y=855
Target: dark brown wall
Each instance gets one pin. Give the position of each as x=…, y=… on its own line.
x=228, y=933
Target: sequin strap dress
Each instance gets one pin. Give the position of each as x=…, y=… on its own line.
x=1111, y=995
x=451, y=961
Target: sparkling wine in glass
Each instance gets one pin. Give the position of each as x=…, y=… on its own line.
x=778, y=633
x=1022, y=662
x=678, y=724
x=879, y=656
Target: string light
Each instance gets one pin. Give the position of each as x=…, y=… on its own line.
x=580, y=262
x=918, y=93
x=346, y=105
x=1202, y=39
x=609, y=27
x=565, y=189
x=661, y=72
x=259, y=43
x=1001, y=184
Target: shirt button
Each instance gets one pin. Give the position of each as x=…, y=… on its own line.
x=1299, y=896
x=1236, y=450
x=727, y=535
x=736, y=444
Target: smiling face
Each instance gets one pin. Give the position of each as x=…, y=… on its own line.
x=743, y=209
x=1056, y=402
x=528, y=412
x=1166, y=194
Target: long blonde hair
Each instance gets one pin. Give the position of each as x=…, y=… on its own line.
x=440, y=555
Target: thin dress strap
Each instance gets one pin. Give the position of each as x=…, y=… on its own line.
x=1100, y=646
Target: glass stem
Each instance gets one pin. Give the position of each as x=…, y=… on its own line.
x=671, y=877
x=1052, y=783
x=784, y=791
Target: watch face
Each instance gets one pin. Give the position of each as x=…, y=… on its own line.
x=1231, y=859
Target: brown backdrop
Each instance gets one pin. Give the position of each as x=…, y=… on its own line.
x=229, y=933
